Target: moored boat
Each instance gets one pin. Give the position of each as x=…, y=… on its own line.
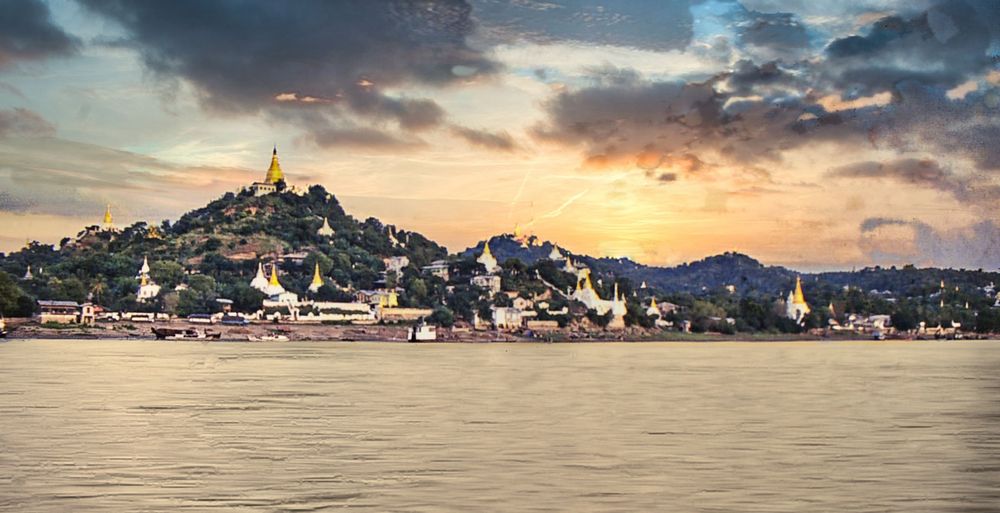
x=185, y=334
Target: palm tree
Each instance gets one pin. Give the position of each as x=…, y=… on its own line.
x=97, y=291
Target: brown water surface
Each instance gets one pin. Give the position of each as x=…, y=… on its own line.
x=295, y=427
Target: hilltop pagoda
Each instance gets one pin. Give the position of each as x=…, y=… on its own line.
x=273, y=180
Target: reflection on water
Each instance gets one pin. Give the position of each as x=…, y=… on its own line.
x=147, y=426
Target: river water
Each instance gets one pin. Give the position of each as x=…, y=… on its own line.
x=301, y=427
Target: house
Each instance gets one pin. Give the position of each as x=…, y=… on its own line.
x=510, y=318
x=490, y=282
x=66, y=312
x=437, y=268
x=396, y=264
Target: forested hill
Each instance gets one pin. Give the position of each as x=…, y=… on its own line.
x=215, y=250
x=749, y=277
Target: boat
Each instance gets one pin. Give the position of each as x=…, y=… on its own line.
x=268, y=338
x=878, y=335
x=422, y=332
x=185, y=334
x=3, y=328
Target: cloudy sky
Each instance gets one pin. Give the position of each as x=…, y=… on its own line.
x=818, y=135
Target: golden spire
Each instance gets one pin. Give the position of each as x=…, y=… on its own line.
x=652, y=303
x=144, y=281
x=317, y=279
x=108, y=220
x=798, y=298
x=486, y=249
x=274, y=173
x=274, y=276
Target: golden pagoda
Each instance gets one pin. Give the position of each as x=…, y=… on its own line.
x=800, y=298
x=274, y=173
x=274, y=287
x=273, y=177
x=796, y=307
x=393, y=300
x=109, y=223
x=153, y=232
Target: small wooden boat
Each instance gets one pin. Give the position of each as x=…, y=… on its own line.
x=268, y=338
x=185, y=334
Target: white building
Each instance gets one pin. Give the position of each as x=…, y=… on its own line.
x=147, y=289
x=396, y=264
x=490, y=282
x=437, y=268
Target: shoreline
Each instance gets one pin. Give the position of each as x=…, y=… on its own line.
x=29, y=330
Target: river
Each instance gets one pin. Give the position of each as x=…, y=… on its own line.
x=687, y=427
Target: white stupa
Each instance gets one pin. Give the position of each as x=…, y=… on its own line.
x=259, y=281
x=325, y=230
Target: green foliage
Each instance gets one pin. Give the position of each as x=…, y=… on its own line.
x=13, y=301
x=443, y=316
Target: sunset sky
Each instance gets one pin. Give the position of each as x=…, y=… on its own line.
x=816, y=135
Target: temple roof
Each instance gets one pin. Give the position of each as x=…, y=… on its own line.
x=274, y=173
x=798, y=298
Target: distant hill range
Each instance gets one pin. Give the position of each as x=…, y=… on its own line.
x=744, y=275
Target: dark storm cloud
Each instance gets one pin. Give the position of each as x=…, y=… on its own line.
x=657, y=25
x=334, y=58
x=24, y=123
x=500, y=141
x=910, y=171
x=28, y=33
x=755, y=112
x=651, y=124
x=923, y=118
x=943, y=46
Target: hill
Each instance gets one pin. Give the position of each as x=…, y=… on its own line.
x=215, y=251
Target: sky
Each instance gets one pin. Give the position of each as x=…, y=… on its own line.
x=815, y=135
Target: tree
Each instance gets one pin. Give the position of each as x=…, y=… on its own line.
x=443, y=316
x=13, y=301
x=166, y=273
x=417, y=289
